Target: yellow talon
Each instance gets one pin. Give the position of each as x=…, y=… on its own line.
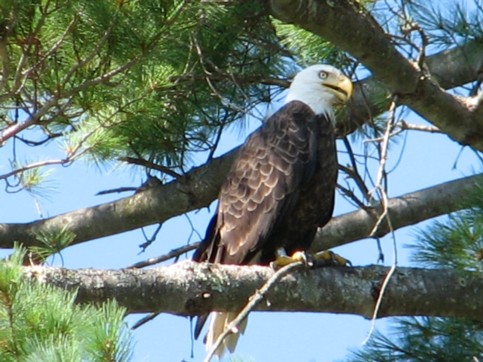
x=299, y=256
x=320, y=259
x=284, y=260
x=328, y=257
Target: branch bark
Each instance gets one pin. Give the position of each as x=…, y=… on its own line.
x=189, y=288
x=196, y=189
x=450, y=68
x=348, y=25
x=405, y=210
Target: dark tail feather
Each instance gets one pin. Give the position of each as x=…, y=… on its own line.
x=201, y=253
x=200, y=322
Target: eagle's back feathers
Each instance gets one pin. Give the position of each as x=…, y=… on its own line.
x=279, y=190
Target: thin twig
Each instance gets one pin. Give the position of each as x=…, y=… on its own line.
x=194, y=231
x=354, y=171
x=254, y=300
x=418, y=127
x=172, y=254
x=144, y=320
x=150, y=240
x=351, y=195
x=354, y=175
x=404, y=126
x=35, y=165
x=385, y=283
x=148, y=164
x=382, y=165
x=384, y=215
x=72, y=155
x=117, y=190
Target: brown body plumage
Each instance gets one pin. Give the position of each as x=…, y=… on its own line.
x=280, y=188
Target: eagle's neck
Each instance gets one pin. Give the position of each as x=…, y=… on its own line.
x=320, y=103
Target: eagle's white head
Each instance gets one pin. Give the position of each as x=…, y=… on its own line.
x=320, y=86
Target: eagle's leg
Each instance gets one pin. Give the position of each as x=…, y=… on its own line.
x=282, y=259
x=329, y=258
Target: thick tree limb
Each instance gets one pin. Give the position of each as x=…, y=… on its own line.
x=200, y=187
x=349, y=26
x=405, y=210
x=450, y=68
x=196, y=189
x=189, y=288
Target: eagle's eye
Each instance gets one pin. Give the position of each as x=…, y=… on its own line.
x=323, y=75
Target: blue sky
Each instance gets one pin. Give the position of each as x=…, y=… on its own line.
x=426, y=160
x=422, y=160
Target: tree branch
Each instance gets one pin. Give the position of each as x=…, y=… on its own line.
x=154, y=205
x=189, y=288
x=200, y=187
x=348, y=25
x=450, y=68
x=405, y=210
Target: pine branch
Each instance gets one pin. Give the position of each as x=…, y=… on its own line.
x=349, y=26
x=189, y=288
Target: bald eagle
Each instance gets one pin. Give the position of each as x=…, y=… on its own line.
x=281, y=186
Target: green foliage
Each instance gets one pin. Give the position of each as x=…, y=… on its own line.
x=426, y=339
x=309, y=48
x=145, y=79
x=158, y=80
x=35, y=181
x=455, y=21
x=42, y=323
x=53, y=241
x=456, y=243
x=453, y=244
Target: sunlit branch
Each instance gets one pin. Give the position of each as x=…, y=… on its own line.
x=353, y=29
x=403, y=125
x=408, y=209
x=189, y=288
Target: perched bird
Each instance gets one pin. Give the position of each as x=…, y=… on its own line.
x=281, y=186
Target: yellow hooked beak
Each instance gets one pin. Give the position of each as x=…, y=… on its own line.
x=340, y=86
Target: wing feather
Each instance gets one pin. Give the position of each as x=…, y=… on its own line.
x=262, y=185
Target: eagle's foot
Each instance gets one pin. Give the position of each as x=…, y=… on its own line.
x=284, y=260
x=329, y=258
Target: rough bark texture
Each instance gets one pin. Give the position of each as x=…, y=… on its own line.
x=450, y=68
x=196, y=189
x=189, y=288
